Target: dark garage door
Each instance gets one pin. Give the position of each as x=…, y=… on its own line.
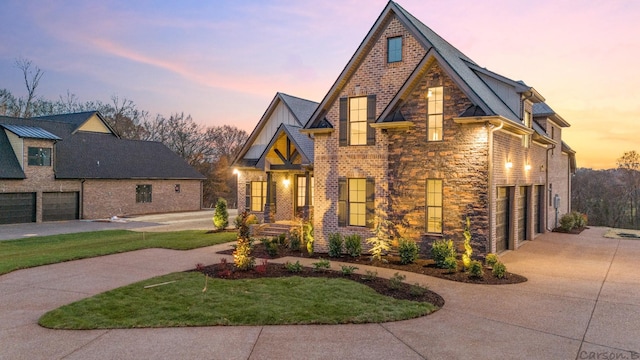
x=523, y=202
x=58, y=206
x=17, y=208
x=503, y=208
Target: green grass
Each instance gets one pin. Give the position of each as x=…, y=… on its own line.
x=264, y=301
x=44, y=250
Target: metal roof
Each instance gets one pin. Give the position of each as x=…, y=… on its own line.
x=30, y=132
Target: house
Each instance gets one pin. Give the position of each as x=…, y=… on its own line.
x=74, y=166
x=414, y=132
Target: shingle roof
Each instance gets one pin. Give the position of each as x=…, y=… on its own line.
x=30, y=132
x=302, y=109
x=302, y=142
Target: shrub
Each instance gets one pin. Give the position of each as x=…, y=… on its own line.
x=282, y=239
x=293, y=267
x=353, y=245
x=395, y=282
x=369, y=275
x=252, y=219
x=380, y=243
x=475, y=269
x=242, y=255
x=580, y=219
x=499, y=270
x=335, y=245
x=294, y=239
x=262, y=267
x=220, y=215
x=567, y=222
x=237, y=222
x=307, y=229
x=321, y=265
x=468, y=250
x=451, y=264
x=271, y=246
x=348, y=270
x=491, y=259
x=416, y=290
x=408, y=250
x=440, y=250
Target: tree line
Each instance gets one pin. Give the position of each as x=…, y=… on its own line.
x=209, y=150
x=610, y=197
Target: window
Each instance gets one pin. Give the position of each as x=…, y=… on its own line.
x=434, y=113
x=526, y=139
x=358, y=121
x=394, y=49
x=143, y=193
x=434, y=206
x=39, y=156
x=302, y=191
x=355, y=202
x=258, y=195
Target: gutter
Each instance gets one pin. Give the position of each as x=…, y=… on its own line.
x=546, y=200
x=491, y=128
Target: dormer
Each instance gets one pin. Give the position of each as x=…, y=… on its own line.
x=32, y=146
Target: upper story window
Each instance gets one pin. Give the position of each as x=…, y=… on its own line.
x=394, y=49
x=435, y=114
x=39, y=156
x=358, y=121
x=526, y=139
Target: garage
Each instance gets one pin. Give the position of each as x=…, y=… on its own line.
x=503, y=208
x=57, y=206
x=523, y=202
x=16, y=208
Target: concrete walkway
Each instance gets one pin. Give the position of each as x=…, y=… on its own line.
x=582, y=301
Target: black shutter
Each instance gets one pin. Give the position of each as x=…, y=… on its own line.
x=344, y=123
x=371, y=118
x=370, y=199
x=247, y=197
x=343, y=192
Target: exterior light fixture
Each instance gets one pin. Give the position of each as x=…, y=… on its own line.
x=286, y=182
x=236, y=172
x=509, y=164
x=527, y=167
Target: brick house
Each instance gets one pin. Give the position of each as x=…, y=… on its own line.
x=415, y=132
x=74, y=166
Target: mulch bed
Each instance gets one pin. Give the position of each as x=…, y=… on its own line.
x=574, y=231
x=421, y=266
x=404, y=292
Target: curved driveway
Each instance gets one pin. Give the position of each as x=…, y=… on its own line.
x=582, y=301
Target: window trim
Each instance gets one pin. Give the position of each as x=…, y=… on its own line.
x=344, y=203
x=251, y=196
x=436, y=206
x=39, y=158
x=360, y=121
x=396, y=52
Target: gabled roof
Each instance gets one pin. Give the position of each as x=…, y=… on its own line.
x=301, y=142
x=544, y=110
x=300, y=108
x=9, y=165
x=462, y=70
x=76, y=120
x=30, y=132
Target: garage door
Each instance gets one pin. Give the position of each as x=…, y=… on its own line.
x=17, y=208
x=538, y=204
x=522, y=213
x=58, y=206
x=502, y=219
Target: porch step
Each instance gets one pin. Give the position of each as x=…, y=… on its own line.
x=272, y=230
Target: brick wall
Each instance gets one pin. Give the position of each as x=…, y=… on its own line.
x=284, y=194
x=106, y=198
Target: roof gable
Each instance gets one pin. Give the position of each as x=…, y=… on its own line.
x=283, y=109
x=288, y=147
x=90, y=121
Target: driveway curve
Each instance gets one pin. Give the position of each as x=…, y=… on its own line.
x=582, y=301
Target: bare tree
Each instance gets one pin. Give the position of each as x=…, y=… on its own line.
x=226, y=141
x=31, y=80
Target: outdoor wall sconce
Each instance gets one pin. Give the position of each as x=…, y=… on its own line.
x=286, y=182
x=527, y=167
x=509, y=164
x=236, y=172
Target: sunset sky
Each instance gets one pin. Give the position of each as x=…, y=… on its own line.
x=223, y=61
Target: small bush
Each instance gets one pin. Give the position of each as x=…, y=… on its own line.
x=353, y=245
x=271, y=246
x=237, y=222
x=416, y=290
x=262, y=267
x=395, y=282
x=369, y=275
x=567, y=222
x=335, y=245
x=475, y=269
x=294, y=239
x=408, y=250
x=499, y=270
x=440, y=250
x=220, y=215
x=293, y=267
x=451, y=264
x=252, y=219
x=491, y=259
x=282, y=239
x=321, y=265
x=580, y=219
x=348, y=270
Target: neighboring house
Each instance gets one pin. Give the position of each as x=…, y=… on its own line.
x=74, y=166
x=415, y=132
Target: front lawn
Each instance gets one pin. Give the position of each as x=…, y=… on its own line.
x=179, y=300
x=44, y=250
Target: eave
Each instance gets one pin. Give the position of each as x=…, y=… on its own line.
x=497, y=120
x=393, y=125
x=314, y=131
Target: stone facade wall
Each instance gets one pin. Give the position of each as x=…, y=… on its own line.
x=460, y=160
x=106, y=198
x=374, y=76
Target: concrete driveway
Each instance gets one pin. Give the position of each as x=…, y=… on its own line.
x=193, y=220
x=582, y=301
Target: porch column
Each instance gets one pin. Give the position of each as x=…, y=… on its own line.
x=269, y=201
x=306, y=212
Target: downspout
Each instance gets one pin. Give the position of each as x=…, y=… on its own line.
x=491, y=130
x=546, y=198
